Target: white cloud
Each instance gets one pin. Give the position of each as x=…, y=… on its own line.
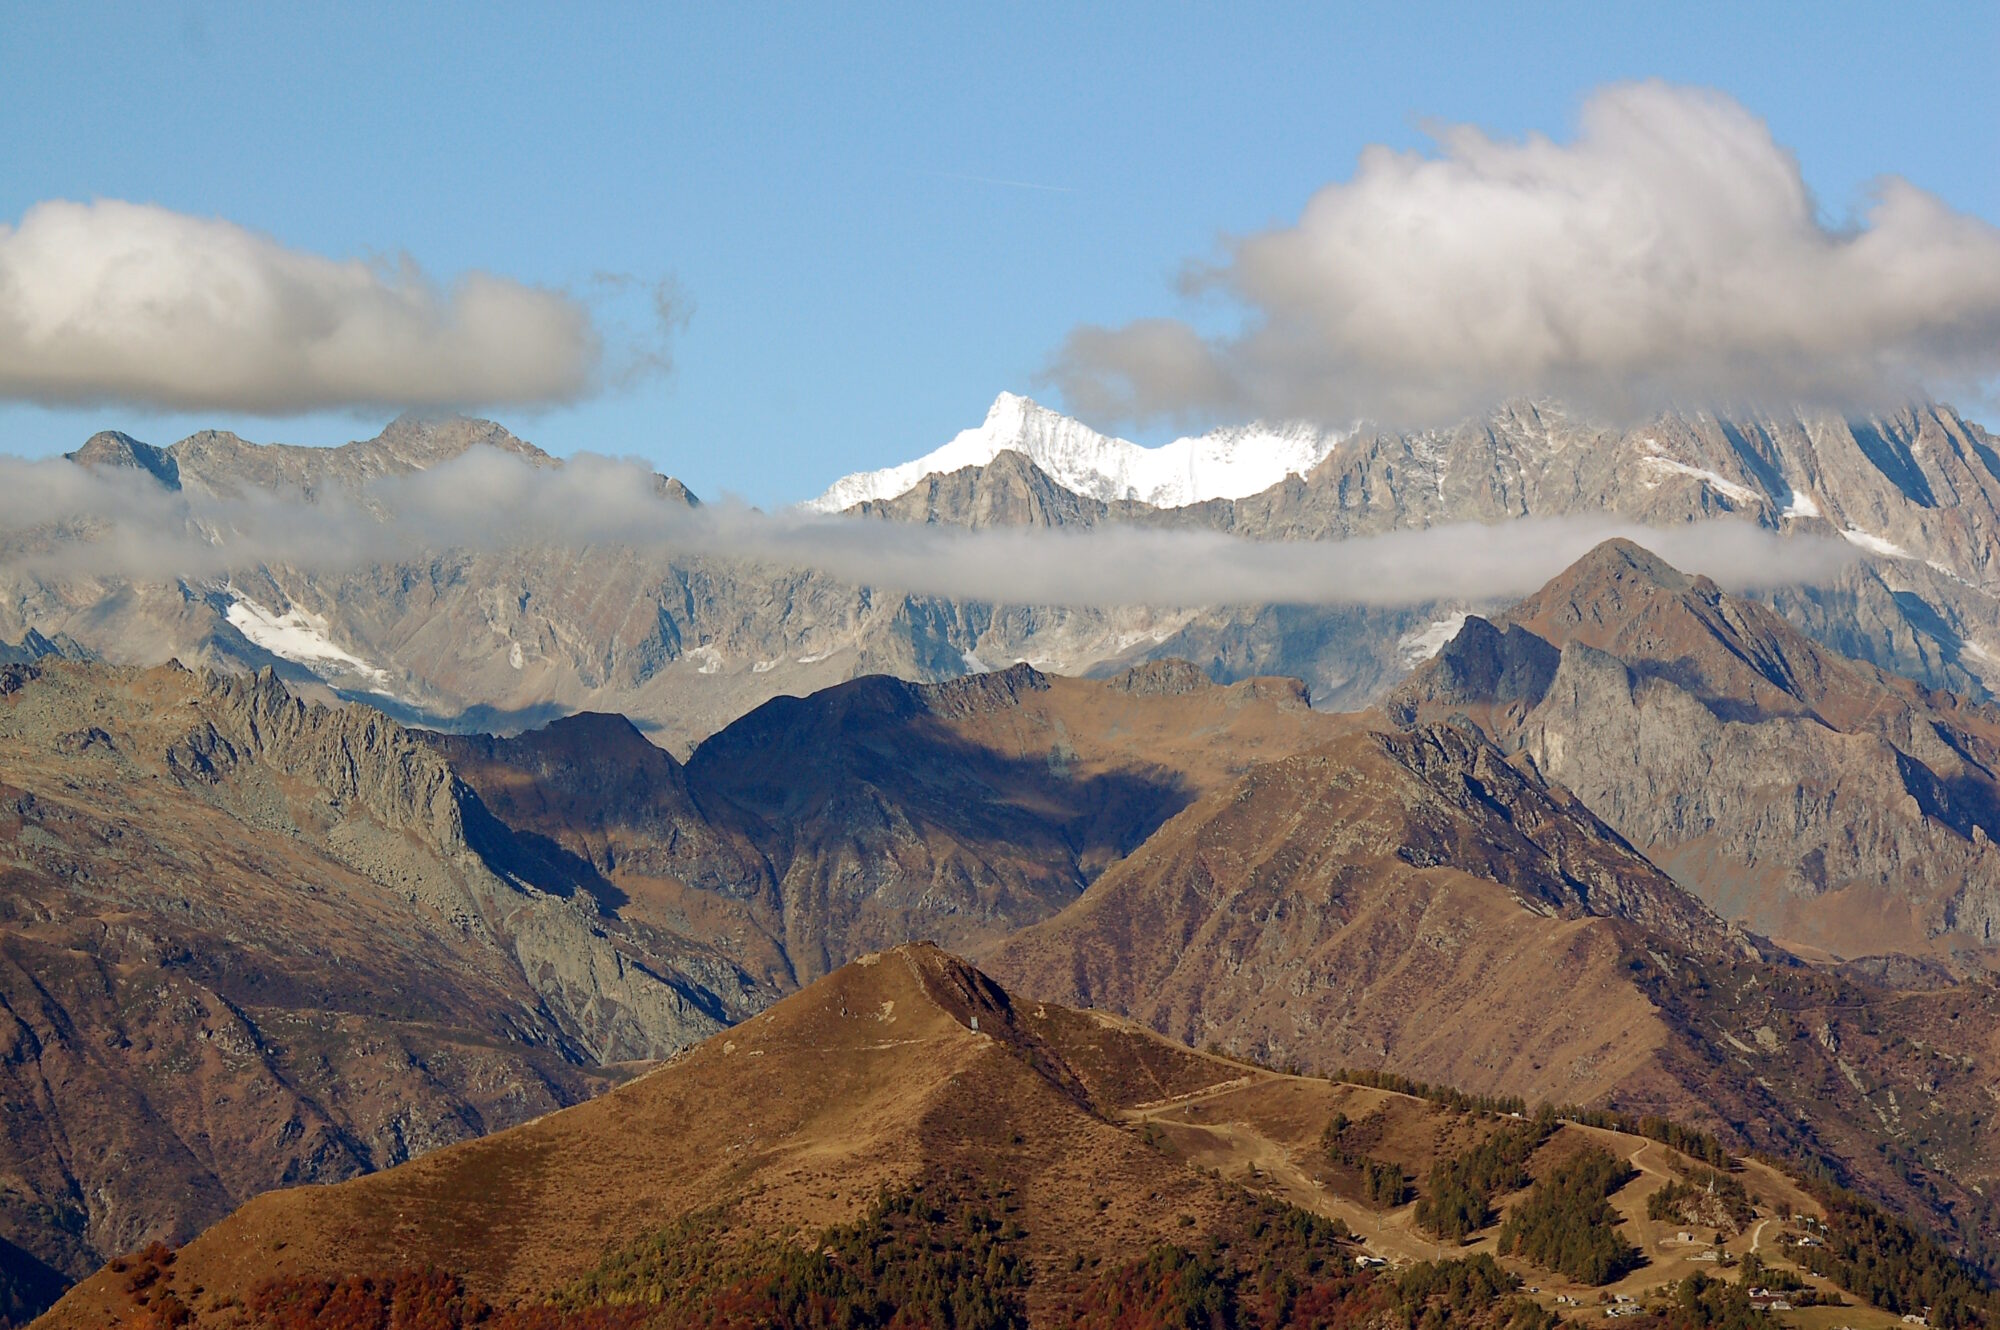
x=1670, y=254
x=124, y=302
x=58, y=519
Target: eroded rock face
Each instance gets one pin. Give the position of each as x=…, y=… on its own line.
x=1812, y=797
x=247, y=941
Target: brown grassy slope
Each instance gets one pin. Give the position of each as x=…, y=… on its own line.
x=870, y=1078
x=1402, y=901
x=1354, y=907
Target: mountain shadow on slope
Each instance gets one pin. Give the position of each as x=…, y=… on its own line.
x=876, y=811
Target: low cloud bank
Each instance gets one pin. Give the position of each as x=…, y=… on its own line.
x=130, y=303
x=58, y=519
x=1670, y=254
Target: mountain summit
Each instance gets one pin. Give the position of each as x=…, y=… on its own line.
x=1811, y=796
x=1223, y=464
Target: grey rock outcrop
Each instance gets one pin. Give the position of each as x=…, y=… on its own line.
x=1815, y=798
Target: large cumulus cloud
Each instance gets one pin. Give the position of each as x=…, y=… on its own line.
x=1670, y=254
x=131, y=303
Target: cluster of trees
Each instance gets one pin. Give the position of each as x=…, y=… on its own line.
x=1287, y=1270
x=944, y=1255
x=1272, y=1265
x=149, y=1283
x=1459, y=1192
x=1383, y=1182
x=1693, y=1143
x=1895, y=1265
x=1704, y=1196
x=1567, y=1224
x=1701, y=1303
x=1432, y=1295
x=680, y=1266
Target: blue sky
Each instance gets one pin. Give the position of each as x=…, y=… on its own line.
x=828, y=187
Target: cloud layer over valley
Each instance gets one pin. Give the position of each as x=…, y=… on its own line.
x=131, y=303
x=1670, y=255
x=58, y=519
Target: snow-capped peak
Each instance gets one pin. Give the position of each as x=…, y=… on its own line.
x=1223, y=464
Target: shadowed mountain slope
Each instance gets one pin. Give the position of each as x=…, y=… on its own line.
x=818, y=828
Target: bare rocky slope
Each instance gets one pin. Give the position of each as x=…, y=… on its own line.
x=246, y=941
x=1813, y=797
x=250, y=941
x=1441, y=906
x=1406, y=901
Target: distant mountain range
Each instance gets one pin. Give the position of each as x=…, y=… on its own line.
x=506, y=639
x=1633, y=840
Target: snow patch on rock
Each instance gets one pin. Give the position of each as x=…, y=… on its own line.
x=1874, y=544
x=1799, y=505
x=300, y=636
x=1425, y=642
x=1729, y=489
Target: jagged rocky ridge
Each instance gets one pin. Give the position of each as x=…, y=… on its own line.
x=247, y=941
x=1813, y=797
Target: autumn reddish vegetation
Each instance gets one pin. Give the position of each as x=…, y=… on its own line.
x=412, y=1300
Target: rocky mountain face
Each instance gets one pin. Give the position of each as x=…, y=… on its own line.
x=251, y=941
x=248, y=942
x=508, y=638
x=1918, y=493
x=1421, y=904
x=269, y=941
x=1813, y=797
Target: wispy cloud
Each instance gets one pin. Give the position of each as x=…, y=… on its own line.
x=58, y=519
x=1670, y=254
x=131, y=303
